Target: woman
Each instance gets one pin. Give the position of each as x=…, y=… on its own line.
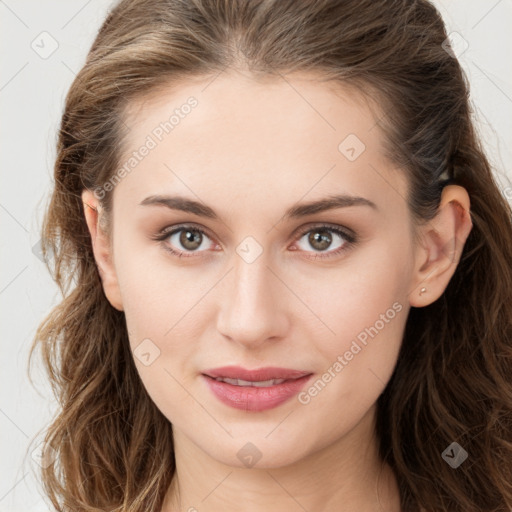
x=292, y=262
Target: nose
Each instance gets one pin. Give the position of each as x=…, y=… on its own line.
x=251, y=306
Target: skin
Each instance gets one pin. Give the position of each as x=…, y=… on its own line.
x=250, y=150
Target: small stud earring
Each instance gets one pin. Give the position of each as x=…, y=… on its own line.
x=423, y=290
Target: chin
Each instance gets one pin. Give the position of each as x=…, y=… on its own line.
x=259, y=453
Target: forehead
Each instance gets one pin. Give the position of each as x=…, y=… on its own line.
x=259, y=106
x=292, y=135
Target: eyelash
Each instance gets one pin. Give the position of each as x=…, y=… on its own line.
x=350, y=240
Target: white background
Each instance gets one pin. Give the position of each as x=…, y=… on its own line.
x=32, y=91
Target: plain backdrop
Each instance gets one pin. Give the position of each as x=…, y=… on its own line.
x=44, y=44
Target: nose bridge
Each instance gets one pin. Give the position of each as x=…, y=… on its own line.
x=251, y=281
x=249, y=310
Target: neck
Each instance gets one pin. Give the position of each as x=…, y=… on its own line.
x=345, y=476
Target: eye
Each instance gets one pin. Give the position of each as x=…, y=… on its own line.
x=184, y=238
x=321, y=238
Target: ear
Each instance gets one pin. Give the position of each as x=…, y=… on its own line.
x=101, y=248
x=441, y=245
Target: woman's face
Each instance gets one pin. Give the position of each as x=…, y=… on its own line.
x=270, y=283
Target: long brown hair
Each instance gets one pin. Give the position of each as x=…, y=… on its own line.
x=453, y=379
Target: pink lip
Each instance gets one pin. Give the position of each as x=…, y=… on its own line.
x=251, y=398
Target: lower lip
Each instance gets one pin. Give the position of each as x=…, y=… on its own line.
x=251, y=398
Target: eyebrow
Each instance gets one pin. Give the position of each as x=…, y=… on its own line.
x=302, y=210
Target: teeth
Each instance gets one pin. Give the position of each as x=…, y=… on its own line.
x=260, y=384
x=265, y=383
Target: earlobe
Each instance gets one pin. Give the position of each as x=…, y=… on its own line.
x=102, y=249
x=442, y=243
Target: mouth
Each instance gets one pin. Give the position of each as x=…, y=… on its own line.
x=260, y=375
x=255, y=390
x=256, y=384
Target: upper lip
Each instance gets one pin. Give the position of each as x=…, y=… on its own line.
x=257, y=375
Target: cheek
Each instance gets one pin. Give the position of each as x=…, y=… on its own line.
x=160, y=307
x=162, y=304
x=365, y=309
x=368, y=289
x=155, y=291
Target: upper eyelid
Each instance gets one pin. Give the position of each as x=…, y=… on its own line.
x=326, y=225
